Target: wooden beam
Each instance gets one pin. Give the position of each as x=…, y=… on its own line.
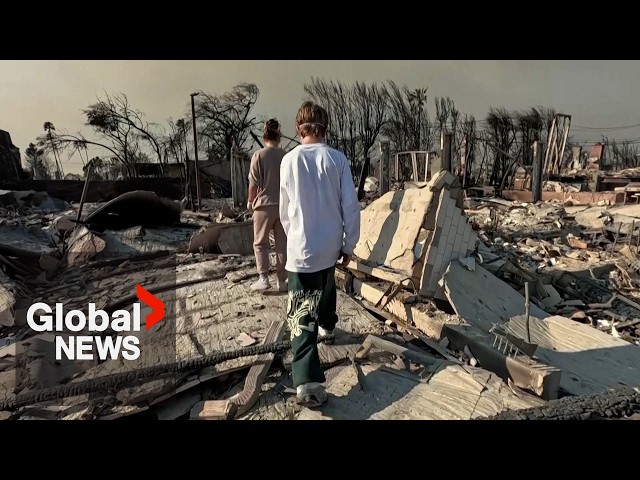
x=382, y=274
x=344, y=280
x=213, y=410
x=253, y=383
x=241, y=403
x=523, y=371
x=402, y=326
x=372, y=341
x=631, y=303
x=372, y=293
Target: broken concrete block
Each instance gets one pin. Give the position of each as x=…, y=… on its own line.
x=417, y=231
x=579, y=315
x=482, y=299
x=453, y=237
x=64, y=223
x=224, y=238
x=554, y=297
x=227, y=212
x=389, y=228
x=213, y=410
x=144, y=240
x=83, y=247
x=245, y=340
x=7, y=301
x=237, y=238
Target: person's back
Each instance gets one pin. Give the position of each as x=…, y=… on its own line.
x=264, y=195
x=320, y=192
x=320, y=214
x=265, y=174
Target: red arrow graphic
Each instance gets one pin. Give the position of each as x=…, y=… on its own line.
x=152, y=301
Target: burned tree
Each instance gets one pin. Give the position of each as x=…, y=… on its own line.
x=48, y=142
x=66, y=141
x=357, y=115
x=175, y=144
x=500, y=134
x=37, y=162
x=531, y=126
x=622, y=155
x=80, y=147
x=335, y=98
x=467, y=150
x=418, y=100
x=464, y=130
x=370, y=103
x=124, y=128
x=225, y=120
x=408, y=125
x=446, y=114
x=507, y=138
x=447, y=119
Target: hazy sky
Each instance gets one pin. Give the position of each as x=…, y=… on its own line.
x=596, y=93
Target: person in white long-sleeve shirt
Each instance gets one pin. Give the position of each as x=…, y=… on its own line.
x=320, y=214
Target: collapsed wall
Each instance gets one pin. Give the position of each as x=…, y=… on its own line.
x=450, y=236
x=417, y=231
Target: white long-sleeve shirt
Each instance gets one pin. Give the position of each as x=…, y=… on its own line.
x=319, y=208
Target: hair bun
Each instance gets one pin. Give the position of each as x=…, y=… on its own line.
x=272, y=124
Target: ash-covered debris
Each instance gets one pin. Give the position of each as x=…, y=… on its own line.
x=454, y=292
x=29, y=202
x=136, y=239
x=586, y=254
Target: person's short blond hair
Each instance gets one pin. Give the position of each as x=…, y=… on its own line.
x=312, y=119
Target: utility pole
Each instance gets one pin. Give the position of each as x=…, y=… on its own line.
x=536, y=173
x=385, y=164
x=195, y=147
x=447, y=141
x=187, y=168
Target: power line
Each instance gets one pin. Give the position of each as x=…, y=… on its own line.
x=626, y=127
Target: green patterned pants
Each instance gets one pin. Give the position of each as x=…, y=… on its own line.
x=312, y=303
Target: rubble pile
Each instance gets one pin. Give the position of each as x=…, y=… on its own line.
x=585, y=255
x=549, y=287
x=551, y=186
x=627, y=172
x=47, y=255
x=453, y=308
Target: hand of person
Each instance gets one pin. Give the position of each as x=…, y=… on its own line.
x=249, y=206
x=345, y=258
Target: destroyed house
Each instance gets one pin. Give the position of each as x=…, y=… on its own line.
x=10, y=165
